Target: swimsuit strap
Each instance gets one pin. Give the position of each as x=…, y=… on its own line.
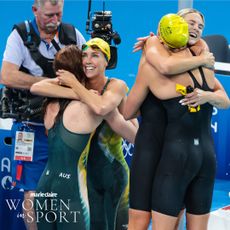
x=196, y=83
x=105, y=86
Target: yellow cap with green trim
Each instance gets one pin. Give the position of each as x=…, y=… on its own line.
x=173, y=30
x=101, y=44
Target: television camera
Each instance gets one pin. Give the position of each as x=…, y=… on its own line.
x=101, y=23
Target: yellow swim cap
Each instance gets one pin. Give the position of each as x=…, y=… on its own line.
x=173, y=30
x=101, y=44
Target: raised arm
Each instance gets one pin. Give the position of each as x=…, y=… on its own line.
x=136, y=95
x=51, y=88
x=199, y=47
x=101, y=105
x=161, y=59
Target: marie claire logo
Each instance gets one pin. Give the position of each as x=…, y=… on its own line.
x=43, y=194
x=7, y=183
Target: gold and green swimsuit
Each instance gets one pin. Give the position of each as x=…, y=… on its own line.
x=107, y=181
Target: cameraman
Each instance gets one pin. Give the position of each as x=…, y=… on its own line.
x=20, y=69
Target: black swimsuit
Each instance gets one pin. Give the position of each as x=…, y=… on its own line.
x=186, y=171
x=147, y=152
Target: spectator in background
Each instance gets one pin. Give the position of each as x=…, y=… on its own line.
x=21, y=67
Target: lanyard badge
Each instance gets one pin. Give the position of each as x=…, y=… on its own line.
x=23, y=148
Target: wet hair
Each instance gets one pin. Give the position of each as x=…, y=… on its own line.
x=68, y=58
x=186, y=11
x=40, y=3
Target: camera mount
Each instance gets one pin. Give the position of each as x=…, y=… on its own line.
x=102, y=27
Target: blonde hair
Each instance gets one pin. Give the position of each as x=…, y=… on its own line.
x=186, y=11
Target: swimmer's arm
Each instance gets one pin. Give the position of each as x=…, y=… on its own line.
x=121, y=108
x=100, y=104
x=159, y=57
x=136, y=97
x=217, y=98
x=199, y=47
x=126, y=129
x=51, y=88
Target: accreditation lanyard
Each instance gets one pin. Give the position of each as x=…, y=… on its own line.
x=24, y=146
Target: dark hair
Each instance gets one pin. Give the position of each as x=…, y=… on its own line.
x=68, y=58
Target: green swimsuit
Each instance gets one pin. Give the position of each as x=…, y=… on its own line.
x=61, y=200
x=108, y=181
